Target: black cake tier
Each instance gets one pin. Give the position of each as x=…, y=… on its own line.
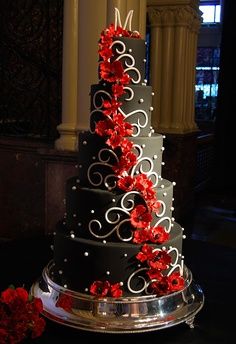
x=96, y=159
x=131, y=52
x=95, y=213
x=136, y=106
x=79, y=262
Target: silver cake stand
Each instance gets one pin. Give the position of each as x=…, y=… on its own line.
x=123, y=315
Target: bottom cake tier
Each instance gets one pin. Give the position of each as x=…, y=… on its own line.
x=123, y=315
x=77, y=262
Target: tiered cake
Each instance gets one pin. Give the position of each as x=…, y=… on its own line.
x=117, y=263
x=118, y=237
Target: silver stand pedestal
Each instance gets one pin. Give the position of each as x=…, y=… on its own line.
x=122, y=315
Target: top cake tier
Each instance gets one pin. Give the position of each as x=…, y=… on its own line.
x=131, y=52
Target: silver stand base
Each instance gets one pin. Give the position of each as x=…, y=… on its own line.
x=123, y=315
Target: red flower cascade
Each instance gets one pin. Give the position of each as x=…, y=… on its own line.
x=114, y=128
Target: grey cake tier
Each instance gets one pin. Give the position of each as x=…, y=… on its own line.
x=95, y=159
x=131, y=53
x=79, y=262
x=94, y=213
x=136, y=106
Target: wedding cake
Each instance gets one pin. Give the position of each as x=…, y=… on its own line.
x=118, y=237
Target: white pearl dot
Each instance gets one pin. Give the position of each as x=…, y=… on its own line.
x=65, y=260
x=65, y=286
x=151, y=108
x=145, y=80
x=174, y=183
x=182, y=228
x=86, y=254
x=141, y=100
x=162, y=148
x=73, y=187
x=92, y=211
x=79, y=224
x=104, y=241
x=60, y=272
x=162, y=186
x=144, y=60
x=80, y=166
x=155, y=157
x=77, y=181
x=86, y=289
x=121, y=283
x=125, y=255
x=72, y=236
x=108, y=272
x=52, y=247
x=113, y=200
x=172, y=208
x=84, y=143
x=184, y=236
x=153, y=93
x=164, y=194
x=74, y=215
x=130, y=50
x=163, y=163
x=173, y=219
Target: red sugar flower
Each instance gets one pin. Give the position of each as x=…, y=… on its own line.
x=126, y=183
x=160, y=261
x=116, y=290
x=100, y=288
x=104, y=288
x=111, y=71
x=110, y=106
x=158, y=235
x=139, y=217
x=160, y=287
x=176, y=281
x=146, y=253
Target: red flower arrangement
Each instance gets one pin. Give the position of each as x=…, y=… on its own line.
x=19, y=316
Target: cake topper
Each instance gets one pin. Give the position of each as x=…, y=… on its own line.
x=128, y=19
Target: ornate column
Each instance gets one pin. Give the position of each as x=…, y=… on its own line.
x=83, y=22
x=174, y=30
x=67, y=129
x=124, y=6
x=174, y=26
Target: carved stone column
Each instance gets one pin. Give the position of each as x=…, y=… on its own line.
x=174, y=30
x=83, y=22
x=67, y=129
